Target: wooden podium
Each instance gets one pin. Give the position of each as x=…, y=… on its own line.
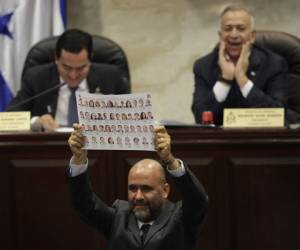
x=251, y=177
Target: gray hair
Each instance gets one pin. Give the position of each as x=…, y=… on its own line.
x=233, y=8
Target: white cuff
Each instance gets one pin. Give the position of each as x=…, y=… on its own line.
x=247, y=88
x=178, y=172
x=76, y=170
x=35, y=124
x=221, y=91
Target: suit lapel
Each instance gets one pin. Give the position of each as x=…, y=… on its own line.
x=93, y=81
x=161, y=221
x=254, y=62
x=53, y=96
x=133, y=227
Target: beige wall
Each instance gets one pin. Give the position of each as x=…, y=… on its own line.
x=163, y=38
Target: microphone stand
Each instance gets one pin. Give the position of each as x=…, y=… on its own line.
x=36, y=96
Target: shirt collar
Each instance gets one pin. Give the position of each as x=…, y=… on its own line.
x=140, y=223
x=81, y=87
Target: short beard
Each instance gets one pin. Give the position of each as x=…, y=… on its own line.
x=143, y=215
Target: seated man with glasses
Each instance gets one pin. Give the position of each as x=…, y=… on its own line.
x=73, y=66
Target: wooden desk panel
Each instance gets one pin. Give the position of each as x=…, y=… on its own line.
x=251, y=177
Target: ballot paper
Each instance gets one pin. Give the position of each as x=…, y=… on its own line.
x=116, y=122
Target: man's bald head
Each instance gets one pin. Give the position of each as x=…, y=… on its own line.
x=147, y=189
x=151, y=166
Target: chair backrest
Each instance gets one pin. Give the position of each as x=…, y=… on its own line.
x=288, y=46
x=105, y=51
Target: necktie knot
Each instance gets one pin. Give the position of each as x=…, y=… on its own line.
x=73, y=89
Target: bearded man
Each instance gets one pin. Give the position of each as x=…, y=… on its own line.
x=148, y=220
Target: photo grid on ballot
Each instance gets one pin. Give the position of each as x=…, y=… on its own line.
x=116, y=122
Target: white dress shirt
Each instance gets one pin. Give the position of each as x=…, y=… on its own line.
x=221, y=90
x=61, y=115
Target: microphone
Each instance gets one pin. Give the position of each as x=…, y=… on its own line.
x=35, y=96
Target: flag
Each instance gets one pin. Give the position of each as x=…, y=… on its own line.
x=22, y=24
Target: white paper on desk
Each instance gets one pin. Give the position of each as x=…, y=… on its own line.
x=116, y=122
x=64, y=130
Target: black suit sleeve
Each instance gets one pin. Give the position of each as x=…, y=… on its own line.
x=203, y=97
x=273, y=93
x=194, y=202
x=90, y=208
x=108, y=79
x=35, y=81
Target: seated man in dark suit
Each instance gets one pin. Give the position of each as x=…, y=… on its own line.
x=170, y=225
x=72, y=66
x=238, y=74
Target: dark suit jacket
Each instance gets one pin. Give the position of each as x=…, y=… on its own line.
x=102, y=78
x=266, y=70
x=175, y=229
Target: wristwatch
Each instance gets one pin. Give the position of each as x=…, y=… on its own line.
x=224, y=80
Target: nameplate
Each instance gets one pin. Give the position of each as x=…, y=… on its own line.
x=253, y=117
x=14, y=121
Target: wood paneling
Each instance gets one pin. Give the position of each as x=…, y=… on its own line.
x=251, y=177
